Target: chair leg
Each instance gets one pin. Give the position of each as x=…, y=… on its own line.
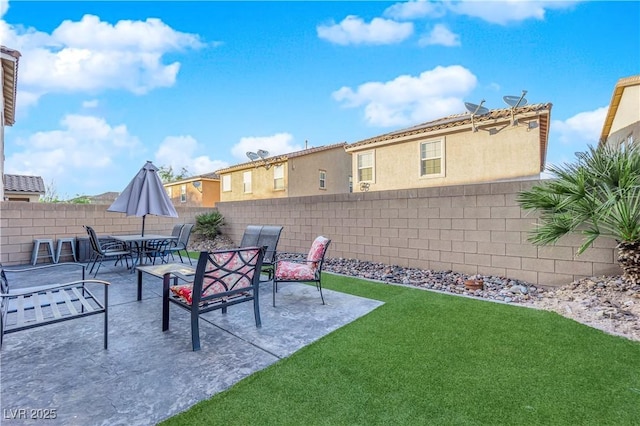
x=320, y=287
x=275, y=290
x=256, y=308
x=195, y=332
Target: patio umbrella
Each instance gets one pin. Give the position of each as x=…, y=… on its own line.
x=144, y=195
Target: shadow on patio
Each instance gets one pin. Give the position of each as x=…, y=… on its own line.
x=146, y=375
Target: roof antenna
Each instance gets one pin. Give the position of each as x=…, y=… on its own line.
x=515, y=102
x=475, y=110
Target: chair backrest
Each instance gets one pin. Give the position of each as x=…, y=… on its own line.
x=318, y=250
x=93, y=239
x=251, y=236
x=224, y=273
x=185, y=234
x=269, y=237
x=176, y=230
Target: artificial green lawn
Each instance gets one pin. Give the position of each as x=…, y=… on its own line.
x=428, y=358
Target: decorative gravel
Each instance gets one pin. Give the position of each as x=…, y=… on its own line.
x=606, y=302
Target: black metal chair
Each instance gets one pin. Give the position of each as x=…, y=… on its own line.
x=223, y=278
x=294, y=267
x=101, y=251
x=263, y=236
x=181, y=244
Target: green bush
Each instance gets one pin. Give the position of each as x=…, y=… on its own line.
x=208, y=224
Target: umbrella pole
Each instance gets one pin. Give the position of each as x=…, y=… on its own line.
x=143, y=218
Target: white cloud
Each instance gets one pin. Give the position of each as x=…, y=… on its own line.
x=507, y=11
x=353, y=30
x=415, y=9
x=280, y=143
x=583, y=128
x=82, y=153
x=408, y=100
x=93, y=103
x=4, y=6
x=180, y=152
x=91, y=55
x=440, y=35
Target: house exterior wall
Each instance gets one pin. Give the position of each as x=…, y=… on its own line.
x=471, y=229
x=469, y=157
x=21, y=196
x=21, y=223
x=304, y=172
x=209, y=196
x=628, y=112
x=262, y=185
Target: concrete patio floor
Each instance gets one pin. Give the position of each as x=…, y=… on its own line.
x=146, y=375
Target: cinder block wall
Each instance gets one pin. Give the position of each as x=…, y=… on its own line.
x=467, y=228
x=21, y=223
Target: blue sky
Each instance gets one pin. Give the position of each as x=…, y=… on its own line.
x=105, y=86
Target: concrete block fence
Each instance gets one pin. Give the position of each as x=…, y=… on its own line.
x=473, y=229
x=467, y=228
x=21, y=223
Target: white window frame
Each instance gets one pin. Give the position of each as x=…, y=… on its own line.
x=168, y=189
x=183, y=193
x=441, y=157
x=278, y=177
x=372, y=166
x=226, y=183
x=322, y=179
x=246, y=182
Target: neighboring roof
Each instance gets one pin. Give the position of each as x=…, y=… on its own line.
x=615, y=102
x=206, y=176
x=283, y=157
x=10, y=83
x=460, y=122
x=21, y=183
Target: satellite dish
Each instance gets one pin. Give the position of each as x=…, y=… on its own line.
x=252, y=156
x=515, y=101
x=262, y=153
x=476, y=109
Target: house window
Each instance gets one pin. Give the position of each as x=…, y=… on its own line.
x=278, y=177
x=431, y=158
x=246, y=182
x=168, y=189
x=323, y=179
x=226, y=183
x=365, y=167
x=183, y=193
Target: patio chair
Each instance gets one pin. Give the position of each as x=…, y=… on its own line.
x=102, y=251
x=294, y=267
x=223, y=278
x=269, y=237
x=263, y=236
x=181, y=244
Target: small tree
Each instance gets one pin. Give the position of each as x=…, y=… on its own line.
x=598, y=195
x=167, y=175
x=208, y=224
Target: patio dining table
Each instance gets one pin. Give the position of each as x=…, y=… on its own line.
x=136, y=243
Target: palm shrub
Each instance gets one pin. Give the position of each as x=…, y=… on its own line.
x=208, y=224
x=598, y=195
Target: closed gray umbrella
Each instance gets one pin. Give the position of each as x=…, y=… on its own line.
x=144, y=195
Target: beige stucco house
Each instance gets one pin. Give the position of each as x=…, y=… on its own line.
x=502, y=144
x=622, y=123
x=197, y=191
x=9, y=80
x=313, y=171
